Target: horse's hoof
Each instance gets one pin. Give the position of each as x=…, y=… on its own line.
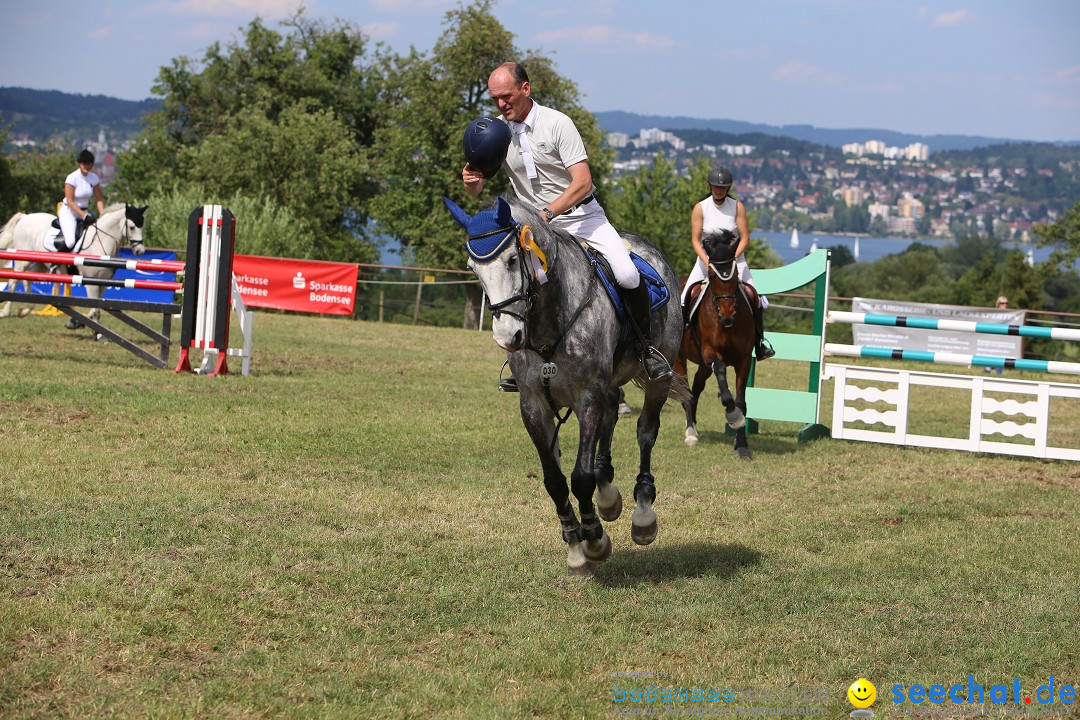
x=73, y=324
x=691, y=437
x=598, y=550
x=100, y=338
x=643, y=535
x=586, y=570
x=609, y=508
x=744, y=453
x=643, y=527
x=24, y=311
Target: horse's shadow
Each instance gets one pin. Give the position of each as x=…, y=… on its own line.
x=666, y=563
x=758, y=443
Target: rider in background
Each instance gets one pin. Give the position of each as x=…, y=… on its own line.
x=719, y=211
x=549, y=169
x=79, y=187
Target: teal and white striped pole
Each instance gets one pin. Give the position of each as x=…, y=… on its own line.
x=927, y=323
x=946, y=358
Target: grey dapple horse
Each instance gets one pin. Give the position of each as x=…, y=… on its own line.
x=119, y=224
x=567, y=350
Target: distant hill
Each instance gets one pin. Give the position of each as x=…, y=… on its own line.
x=631, y=123
x=47, y=114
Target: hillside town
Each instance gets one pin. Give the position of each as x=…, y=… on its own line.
x=875, y=188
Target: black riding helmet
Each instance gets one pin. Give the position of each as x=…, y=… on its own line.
x=485, y=143
x=85, y=157
x=720, y=176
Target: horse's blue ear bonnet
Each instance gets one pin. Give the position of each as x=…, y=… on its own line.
x=489, y=230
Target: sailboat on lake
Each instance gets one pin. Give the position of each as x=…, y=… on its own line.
x=856, y=247
x=794, y=238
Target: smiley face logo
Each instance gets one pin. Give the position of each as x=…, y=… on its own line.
x=862, y=693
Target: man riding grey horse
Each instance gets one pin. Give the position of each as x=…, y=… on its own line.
x=549, y=170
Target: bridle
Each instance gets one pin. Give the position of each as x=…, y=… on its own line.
x=725, y=276
x=525, y=294
x=123, y=238
x=530, y=286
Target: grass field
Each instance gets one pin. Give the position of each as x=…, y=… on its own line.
x=358, y=530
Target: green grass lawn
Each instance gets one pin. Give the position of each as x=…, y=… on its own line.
x=358, y=530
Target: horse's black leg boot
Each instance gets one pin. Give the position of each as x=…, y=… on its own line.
x=764, y=351
x=655, y=364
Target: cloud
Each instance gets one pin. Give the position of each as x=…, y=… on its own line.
x=101, y=33
x=380, y=30
x=797, y=71
x=1050, y=101
x=227, y=8
x=604, y=35
x=402, y=7
x=1069, y=74
x=950, y=19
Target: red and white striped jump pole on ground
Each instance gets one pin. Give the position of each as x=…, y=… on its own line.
x=78, y=260
x=80, y=280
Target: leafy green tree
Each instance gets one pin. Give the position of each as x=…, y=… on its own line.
x=287, y=115
x=917, y=274
x=8, y=199
x=263, y=227
x=655, y=202
x=37, y=181
x=315, y=162
x=432, y=98
x=1064, y=237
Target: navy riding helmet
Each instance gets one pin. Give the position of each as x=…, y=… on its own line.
x=485, y=143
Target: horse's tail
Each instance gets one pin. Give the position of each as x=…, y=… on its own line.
x=679, y=390
x=7, y=235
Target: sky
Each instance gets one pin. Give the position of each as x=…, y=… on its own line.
x=993, y=68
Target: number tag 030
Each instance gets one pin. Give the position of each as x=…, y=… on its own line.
x=549, y=370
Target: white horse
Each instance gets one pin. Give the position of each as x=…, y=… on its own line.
x=119, y=224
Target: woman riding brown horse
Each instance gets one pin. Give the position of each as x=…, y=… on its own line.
x=719, y=333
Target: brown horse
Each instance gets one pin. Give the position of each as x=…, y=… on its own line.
x=720, y=333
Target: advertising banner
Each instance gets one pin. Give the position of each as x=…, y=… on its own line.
x=964, y=343
x=301, y=285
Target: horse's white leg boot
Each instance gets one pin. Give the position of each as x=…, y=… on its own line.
x=691, y=436
x=608, y=501
x=643, y=524
x=576, y=562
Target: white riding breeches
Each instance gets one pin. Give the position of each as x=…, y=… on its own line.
x=67, y=225
x=589, y=222
x=700, y=272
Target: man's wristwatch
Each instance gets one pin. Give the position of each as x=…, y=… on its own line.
x=548, y=214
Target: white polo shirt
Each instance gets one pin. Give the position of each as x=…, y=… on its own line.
x=555, y=144
x=84, y=186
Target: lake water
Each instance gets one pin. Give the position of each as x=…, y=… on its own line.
x=870, y=248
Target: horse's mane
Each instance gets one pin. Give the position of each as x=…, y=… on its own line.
x=114, y=207
x=719, y=245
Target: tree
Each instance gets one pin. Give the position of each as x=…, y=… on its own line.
x=37, y=181
x=1064, y=237
x=430, y=100
x=655, y=202
x=289, y=116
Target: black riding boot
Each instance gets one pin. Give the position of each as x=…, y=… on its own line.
x=764, y=350
x=638, y=301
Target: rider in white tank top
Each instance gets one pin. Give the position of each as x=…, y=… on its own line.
x=717, y=216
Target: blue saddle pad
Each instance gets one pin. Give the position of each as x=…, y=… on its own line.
x=658, y=291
